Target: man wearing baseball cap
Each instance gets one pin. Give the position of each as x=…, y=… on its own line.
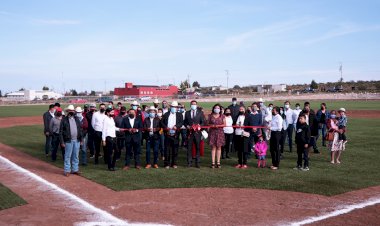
x=71, y=138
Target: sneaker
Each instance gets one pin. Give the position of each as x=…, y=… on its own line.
x=305, y=169
x=175, y=166
x=155, y=166
x=138, y=167
x=66, y=174
x=297, y=168
x=148, y=166
x=167, y=167
x=92, y=156
x=126, y=168
x=238, y=166
x=244, y=166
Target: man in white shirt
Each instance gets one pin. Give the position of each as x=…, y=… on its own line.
x=296, y=113
x=275, y=127
x=97, y=123
x=109, y=137
x=291, y=120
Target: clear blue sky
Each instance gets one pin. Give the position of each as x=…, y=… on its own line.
x=90, y=44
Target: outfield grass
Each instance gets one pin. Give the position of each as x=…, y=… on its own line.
x=8, y=199
x=38, y=110
x=359, y=168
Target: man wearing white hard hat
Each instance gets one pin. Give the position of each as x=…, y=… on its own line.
x=71, y=138
x=152, y=129
x=155, y=103
x=84, y=124
x=171, y=122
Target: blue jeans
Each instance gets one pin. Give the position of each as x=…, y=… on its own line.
x=83, y=150
x=151, y=142
x=71, y=163
x=289, y=133
x=162, y=144
x=262, y=157
x=322, y=130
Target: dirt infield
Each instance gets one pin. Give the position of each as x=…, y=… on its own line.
x=204, y=206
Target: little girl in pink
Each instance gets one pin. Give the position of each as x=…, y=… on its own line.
x=261, y=148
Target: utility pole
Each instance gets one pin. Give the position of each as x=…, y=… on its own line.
x=341, y=72
x=227, y=74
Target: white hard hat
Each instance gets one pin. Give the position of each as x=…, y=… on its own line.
x=342, y=109
x=174, y=104
x=260, y=100
x=135, y=103
x=70, y=108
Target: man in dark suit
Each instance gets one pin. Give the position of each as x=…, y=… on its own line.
x=194, y=118
x=234, y=107
x=152, y=135
x=171, y=123
x=133, y=126
x=47, y=116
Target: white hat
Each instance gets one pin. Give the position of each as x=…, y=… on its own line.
x=152, y=108
x=174, y=104
x=78, y=110
x=156, y=101
x=260, y=100
x=135, y=103
x=342, y=109
x=70, y=108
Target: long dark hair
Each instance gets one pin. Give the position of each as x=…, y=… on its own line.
x=217, y=105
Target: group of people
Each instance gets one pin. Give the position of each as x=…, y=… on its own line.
x=239, y=128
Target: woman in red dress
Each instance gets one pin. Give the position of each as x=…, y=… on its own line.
x=216, y=121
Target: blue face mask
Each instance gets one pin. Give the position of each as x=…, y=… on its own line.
x=152, y=114
x=193, y=107
x=181, y=110
x=134, y=107
x=173, y=110
x=332, y=116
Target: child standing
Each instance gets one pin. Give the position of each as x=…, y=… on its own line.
x=261, y=148
x=302, y=141
x=342, y=123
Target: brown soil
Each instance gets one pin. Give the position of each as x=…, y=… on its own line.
x=203, y=206
x=20, y=121
x=364, y=114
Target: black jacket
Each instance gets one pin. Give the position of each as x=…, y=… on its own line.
x=129, y=136
x=253, y=120
x=302, y=134
x=65, y=133
x=156, y=125
x=234, y=112
x=90, y=129
x=313, y=122
x=165, y=119
x=198, y=119
x=47, y=118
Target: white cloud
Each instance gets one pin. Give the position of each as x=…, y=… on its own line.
x=56, y=22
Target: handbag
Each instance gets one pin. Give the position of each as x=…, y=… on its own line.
x=204, y=134
x=330, y=136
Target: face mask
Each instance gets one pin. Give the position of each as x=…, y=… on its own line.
x=181, y=110
x=228, y=114
x=102, y=110
x=298, y=107
x=332, y=116
x=159, y=114
x=281, y=112
x=193, y=107
x=122, y=112
x=155, y=105
x=216, y=110
x=152, y=114
x=58, y=114
x=134, y=107
x=270, y=108
x=112, y=115
x=234, y=102
x=79, y=115
x=110, y=106
x=131, y=115
x=287, y=106
x=241, y=112
x=173, y=110
x=164, y=105
x=255, y=108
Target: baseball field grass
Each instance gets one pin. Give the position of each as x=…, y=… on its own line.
x=36, y=110
x=8, y=199
x=359, y=167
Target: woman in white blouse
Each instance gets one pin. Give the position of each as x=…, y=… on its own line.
x=239, y=139
x=228, y=134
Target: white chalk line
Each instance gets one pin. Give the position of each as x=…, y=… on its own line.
x=105, y=217
x=342, y=210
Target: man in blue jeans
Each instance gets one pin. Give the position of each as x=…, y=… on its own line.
x=322, y=116
x=71, y=138
x=152, y=134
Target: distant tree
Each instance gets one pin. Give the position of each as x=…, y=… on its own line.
x=184, y=85
x=73, y=92
x=196, y=84
x=22, y=89
x=1, y=94
x=92, y=93
x=313, y=85
x=236, y=87
x=45, y=88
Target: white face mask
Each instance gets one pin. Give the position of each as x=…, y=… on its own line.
x=298, y=107
x=159, y=114
x=287, y=106
x=79, y=115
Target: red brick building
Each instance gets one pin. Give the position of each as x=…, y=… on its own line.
x=145, y=90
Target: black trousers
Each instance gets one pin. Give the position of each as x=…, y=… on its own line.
x=289, y=134
x=282, y=140
x=228, y=145
x=97, y=143
x=120, y=143
x=194, y=139
x=111, y=151
x=133, y=148
x=239, y=148
x=91, y=142
x=301, y=150
x=274, y=147
x=171, y=151
x=55, y=145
